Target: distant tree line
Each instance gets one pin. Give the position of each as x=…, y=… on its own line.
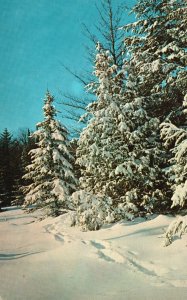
x=13, y=159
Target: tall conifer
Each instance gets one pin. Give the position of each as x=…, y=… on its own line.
x=50, y=170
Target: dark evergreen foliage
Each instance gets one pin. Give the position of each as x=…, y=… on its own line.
x=13, y=158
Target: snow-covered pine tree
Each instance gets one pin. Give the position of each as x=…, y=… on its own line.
x=118, y=151
x=143, y=190
x=158, y=49
x=175, y=139
x=157, y=58
x=100, y=146
x=50, y=171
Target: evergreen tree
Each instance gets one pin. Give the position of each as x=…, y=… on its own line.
x=118, y=151
x=156, y=66
x=50, y=170
x=100, y=147
x=100, y=144
x=6, y=167
x=18, y=149
x=10, y=168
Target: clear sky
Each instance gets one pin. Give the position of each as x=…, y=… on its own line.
x=35, y=38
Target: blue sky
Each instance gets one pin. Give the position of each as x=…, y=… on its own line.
x=36, y=37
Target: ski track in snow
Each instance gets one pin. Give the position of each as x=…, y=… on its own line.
x=11, y=256
x=129, y=258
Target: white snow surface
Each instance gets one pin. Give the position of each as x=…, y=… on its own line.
x=49, y=259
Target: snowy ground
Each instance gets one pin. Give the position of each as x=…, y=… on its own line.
x=51, y=260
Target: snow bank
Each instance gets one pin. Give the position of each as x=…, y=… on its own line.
x=52, y=260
